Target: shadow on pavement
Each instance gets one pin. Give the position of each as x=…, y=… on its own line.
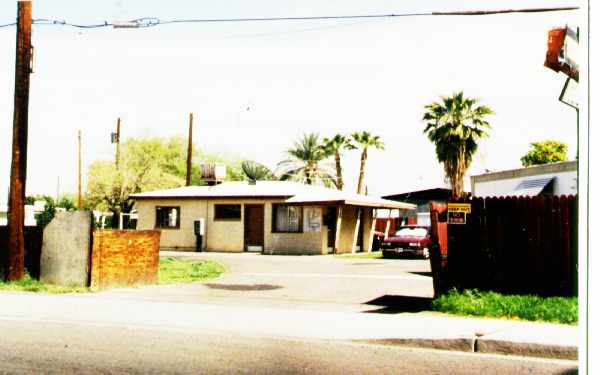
x=421, y=273
x=390, y=304
x=243, y=287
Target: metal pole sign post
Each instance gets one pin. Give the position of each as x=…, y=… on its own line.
x=457, y=212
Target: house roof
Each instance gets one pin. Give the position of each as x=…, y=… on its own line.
x=292, y=192
x=427, y=194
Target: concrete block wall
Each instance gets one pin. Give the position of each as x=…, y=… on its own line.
x=65, y=258
x=312, y=243
x=124, y=258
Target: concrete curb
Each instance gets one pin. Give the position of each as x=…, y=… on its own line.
x=481, y=345
x=526, y=349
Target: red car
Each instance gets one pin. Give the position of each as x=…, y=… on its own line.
x=408, y=240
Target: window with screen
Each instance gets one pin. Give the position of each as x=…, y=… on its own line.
x=167, y=217
x=228, y=211
x=287, y=219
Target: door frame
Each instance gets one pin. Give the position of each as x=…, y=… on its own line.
x=247, y=223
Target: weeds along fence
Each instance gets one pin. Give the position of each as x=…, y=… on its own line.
x=512, y=245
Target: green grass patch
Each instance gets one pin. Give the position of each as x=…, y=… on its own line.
x=562, y=310
x=170, y=271
x=173, y=270
x=365, y=255
x=27, y=284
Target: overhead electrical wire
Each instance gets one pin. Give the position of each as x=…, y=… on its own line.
x=153, y=21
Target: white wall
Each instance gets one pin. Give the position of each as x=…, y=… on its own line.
x=565, y=183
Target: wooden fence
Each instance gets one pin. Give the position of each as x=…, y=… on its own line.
x=513, y=245
x=33, y=249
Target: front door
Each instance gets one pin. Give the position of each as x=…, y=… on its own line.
x=254, y=227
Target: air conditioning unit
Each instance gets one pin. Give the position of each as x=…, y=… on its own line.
x=213, y=173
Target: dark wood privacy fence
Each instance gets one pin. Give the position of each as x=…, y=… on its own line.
x=513, y=245
x=33, y=249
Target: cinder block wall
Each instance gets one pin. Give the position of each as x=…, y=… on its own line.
x=124, y=258
x=310, y=243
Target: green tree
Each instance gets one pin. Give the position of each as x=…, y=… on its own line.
x=145, y=164
x=454, y=125
x=365, y=140
x=307, y=162
x=334, y=146
x=545, y=152
x=254, y=171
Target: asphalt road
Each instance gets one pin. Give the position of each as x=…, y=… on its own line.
x=266, y=315
x=34, y=347
x=322, y=283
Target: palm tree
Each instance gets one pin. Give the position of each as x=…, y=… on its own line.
x=333, y=146
x=364, y=140
x=257, y=172
x=454, y=126
x=306, y=164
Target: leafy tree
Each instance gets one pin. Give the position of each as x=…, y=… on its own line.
x=454, y=125
x=545, y=152
x=306, y=162
x=334, y=146
x=145, y=164
x=365, y=140
x=43, y=218
x=254, y=171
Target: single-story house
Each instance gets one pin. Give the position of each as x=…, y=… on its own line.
x=274, y=217
x=552, y=179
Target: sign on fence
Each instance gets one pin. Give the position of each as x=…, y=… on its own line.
x=457, y=212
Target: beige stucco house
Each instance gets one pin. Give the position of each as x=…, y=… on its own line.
x=273, y=217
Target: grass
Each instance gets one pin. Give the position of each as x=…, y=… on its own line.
x=27, y=284
x=562, y=310
x=365, y=255
x=170, y=271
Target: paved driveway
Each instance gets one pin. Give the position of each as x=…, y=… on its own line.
x=303, y=282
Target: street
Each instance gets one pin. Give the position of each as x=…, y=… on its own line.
x=290, y=315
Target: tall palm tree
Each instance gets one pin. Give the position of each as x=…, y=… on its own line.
x=256, y=172
x=306, y=162
x=365, y=140
x=334, y=146
x=454, y=126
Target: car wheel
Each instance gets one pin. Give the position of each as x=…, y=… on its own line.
x=425, y=253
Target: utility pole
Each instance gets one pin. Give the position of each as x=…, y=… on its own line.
x=18, y=169
x=188, y=178
x=79, y=197
x=118, y=142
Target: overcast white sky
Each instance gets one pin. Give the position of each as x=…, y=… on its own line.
x=295, y=77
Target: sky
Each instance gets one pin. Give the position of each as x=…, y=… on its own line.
x=256, y=87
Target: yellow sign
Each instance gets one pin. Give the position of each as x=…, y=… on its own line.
x=459, y=207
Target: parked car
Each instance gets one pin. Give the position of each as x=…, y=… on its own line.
x=412, y=240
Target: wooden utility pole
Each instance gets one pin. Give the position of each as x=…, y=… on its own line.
x=18, y=168
x=118, y=141
x=79, y=197
x=188, y=176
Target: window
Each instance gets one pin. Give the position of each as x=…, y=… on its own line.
x=287, y=218
x=167, y=217
x=228, y=211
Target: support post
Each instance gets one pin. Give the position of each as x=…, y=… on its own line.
x=188, y=176
x=118, y=141
x=18, y=170
x=79, y=197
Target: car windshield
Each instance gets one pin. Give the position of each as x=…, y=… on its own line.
x=413, y=232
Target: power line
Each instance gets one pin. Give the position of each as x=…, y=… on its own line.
x=153, y=21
